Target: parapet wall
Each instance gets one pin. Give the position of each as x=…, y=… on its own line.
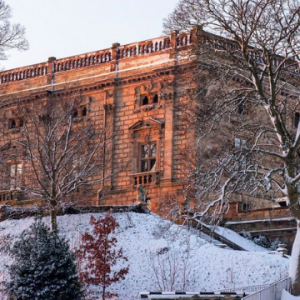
x=106, y=62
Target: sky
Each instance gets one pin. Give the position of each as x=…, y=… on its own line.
x=63, y=28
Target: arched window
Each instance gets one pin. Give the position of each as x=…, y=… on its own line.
x=143, y=49
x=67, y=65
x=98, y=59
x=106, y=57
x=127, y=53
x=82, y=62
x=91, y=60
x=155, y=99
x=144, y=100
x=140, y=49
x=62, y=67
x=86, y=61
x=102, y=58
x=78, y=63
x=94, y=59
x=156, y=46
x=123, y=53
x=74, y=64
x=160, y=45
x=149, y=48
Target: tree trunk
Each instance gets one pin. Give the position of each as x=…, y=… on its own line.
x=53, y=220
x=295, y=263
x=103, y=293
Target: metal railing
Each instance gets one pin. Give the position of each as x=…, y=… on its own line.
x=247, y=289
x=273, y=292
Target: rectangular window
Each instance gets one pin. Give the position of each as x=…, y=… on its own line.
x=148, y=99
x=148, y=157
x=241, y=159
x=239, y=143
x=15, y=123
x=241, y=107
x=16, y=171
x=296, y=119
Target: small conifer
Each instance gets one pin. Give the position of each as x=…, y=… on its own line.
x=43, y=267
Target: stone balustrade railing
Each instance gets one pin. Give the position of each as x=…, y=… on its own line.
x=145, y=179
x=116, y=52
x=10, y=195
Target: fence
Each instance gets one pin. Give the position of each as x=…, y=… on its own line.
x=273, y=292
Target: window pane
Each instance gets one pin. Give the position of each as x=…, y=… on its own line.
x=237, y=142
x=144, y=166
x=145, y=151
x=152, y=165
x=152, y=150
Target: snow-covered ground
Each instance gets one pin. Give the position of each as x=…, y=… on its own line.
x=238, y=240
x=149, y=241
x=287, y=296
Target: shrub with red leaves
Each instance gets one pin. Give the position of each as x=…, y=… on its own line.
x=98, y=255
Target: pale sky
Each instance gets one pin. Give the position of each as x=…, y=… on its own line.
x=64, y=28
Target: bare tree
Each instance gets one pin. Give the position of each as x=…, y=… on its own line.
x=59, y=152
x=171, y=269
x=12, y=36
x=246, y=85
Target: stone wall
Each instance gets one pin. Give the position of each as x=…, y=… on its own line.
x=131, y=90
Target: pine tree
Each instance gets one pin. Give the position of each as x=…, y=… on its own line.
x=98, y=255
x=43, y=268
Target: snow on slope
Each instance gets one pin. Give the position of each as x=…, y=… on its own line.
x=140, y=235
x=238, y=240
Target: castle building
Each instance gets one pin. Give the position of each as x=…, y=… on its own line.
x=133, y=91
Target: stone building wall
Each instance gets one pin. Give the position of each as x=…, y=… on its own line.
x=132, y=91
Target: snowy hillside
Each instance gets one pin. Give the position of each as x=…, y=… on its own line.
x=142, y=237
